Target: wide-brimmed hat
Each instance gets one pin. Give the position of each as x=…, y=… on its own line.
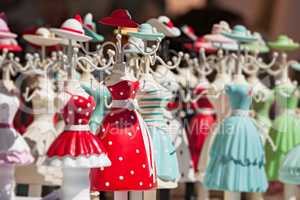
x=10, y=44
x=4, y=29
x=132, y=48
x=164, y=25
x=259, y=45
x=216, y=33
x=42, y=37
x=284, y=43
x=89, y=27
x=147, y=32
x=240, y=34
x=119, y=18
x=72, y=29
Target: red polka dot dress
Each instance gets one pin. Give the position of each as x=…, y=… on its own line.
x=76, y=146
x=128, y=143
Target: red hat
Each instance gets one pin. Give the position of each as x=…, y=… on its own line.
x=119, y=18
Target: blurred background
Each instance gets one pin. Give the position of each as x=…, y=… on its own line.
x=270, y=17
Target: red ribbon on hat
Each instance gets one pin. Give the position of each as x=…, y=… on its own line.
x=72, y=30
x=169, y=24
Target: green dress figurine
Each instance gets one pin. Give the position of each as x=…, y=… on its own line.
x=262, y=110
x=285, y=129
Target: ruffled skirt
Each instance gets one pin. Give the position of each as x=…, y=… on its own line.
x=39, y=136
x=237, y=158
x=79, y=149
x=13, y=148
x=290, y=168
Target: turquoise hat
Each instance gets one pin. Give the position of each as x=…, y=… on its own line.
x=284, y=43
x=147, y=32
x=240, y=33
x=90, y=28
x=258, y=45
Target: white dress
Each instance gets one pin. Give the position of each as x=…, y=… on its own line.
x=222, y=107
x=41, y=133
x=13, y=148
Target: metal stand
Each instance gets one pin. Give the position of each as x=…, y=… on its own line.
x=164, y=194
x=121, y=195
x=202, y=192
x=290, y=192
x=232, y=195
x=75, y=184
x=7, y=182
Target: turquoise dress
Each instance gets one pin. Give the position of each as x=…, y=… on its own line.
x=152, y=102
x=290, y=168
x=237, y=155
x=99, y=93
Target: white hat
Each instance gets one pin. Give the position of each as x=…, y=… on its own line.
x=42, y=37
x=4, y=30
x=164, y=25
x=71, y=29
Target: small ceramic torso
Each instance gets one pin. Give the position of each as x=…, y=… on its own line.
x=286, y=97
x=153, y=99
x=239, y=96
x=262, y=107
x=78, y=110
x=43, y=102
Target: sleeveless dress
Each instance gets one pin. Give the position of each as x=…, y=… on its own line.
x=153, y=99
x=262, y=110
x=99, y=93
x=284, y=131
x=221, y=105
x=41, y=133
x=76, y=146
x=125, y=136
x=13, y=148
x=175, y=128
x=237, y=156
x=200, y=125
